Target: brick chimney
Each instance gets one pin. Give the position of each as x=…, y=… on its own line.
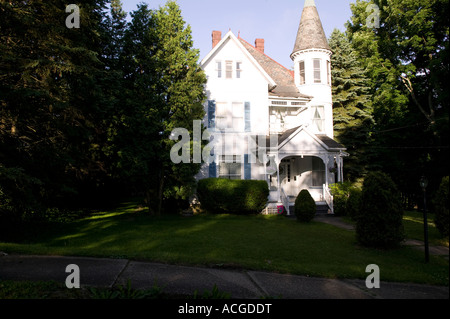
x=216, y=37
x=259, y=45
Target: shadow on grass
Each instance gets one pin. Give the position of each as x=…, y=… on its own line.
x=268, y=243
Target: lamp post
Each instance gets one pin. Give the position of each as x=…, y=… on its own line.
x=424, y=184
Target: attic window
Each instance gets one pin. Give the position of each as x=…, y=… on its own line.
x=229, y=69
x=219, y=69
x=238, y=69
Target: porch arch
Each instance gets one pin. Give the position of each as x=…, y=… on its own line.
x=301, y=172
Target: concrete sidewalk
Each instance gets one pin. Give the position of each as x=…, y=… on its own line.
x=181, y=280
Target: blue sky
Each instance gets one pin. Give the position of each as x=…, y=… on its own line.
x=275, y=21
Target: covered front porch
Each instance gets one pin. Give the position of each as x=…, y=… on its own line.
x=305, y=161
x=296, y=173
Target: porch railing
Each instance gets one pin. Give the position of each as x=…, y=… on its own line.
x=328, y=197
x=285, y=201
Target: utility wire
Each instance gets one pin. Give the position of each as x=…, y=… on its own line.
x=408, y=126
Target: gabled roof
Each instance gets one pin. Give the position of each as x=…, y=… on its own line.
x=310, y=33
x=324, y=141
x=232, y=37
x=284, y=78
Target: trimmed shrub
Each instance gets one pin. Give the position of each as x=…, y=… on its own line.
x=305, y=207
x=223, y=196
x=353, y=205
x=380, y=220
x=441, y=203
x=340, y=192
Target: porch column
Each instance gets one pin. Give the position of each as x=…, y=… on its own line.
x=266, y=177
x=326, y=160
x=339, y=168
x=278, y=180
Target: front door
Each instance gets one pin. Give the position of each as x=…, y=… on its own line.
x=286, y=180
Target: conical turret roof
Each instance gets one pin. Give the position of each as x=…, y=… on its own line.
x=310, y=33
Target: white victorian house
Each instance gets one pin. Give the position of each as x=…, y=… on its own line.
x=271, y=123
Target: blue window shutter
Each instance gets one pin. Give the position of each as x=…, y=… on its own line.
x=213, y=170
x=248, y=126
x=212, y=114
x=247, y=167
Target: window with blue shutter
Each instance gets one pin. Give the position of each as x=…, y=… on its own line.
x=247, y=167
x=248, y=126
x=212, y=114
x=213, y=170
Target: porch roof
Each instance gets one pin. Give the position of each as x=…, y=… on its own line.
x=332, y=144
x=320, y=140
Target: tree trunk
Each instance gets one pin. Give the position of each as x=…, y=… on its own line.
x=430, y=116
x=160, y=194
x=148, y=201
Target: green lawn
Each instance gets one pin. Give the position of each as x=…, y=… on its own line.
x=268, y=243
x=413, y=223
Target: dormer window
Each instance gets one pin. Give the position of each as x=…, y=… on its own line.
x=317, y=75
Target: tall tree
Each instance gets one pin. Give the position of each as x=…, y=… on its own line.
x=407, y=61
x=135, y=143
x=115, y=25
x=163, y=90
x=48, y=98
x=180, y=90
x=352, y=105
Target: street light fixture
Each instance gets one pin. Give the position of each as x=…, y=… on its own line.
x=423, y=185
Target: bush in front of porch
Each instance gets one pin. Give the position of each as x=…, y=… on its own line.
x=341, y=193
x=305, y=207
x=242, y=197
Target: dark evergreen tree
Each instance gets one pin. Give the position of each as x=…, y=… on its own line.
x=352, y=105
x=115, y=25
x=163, y=90
x=49, y=101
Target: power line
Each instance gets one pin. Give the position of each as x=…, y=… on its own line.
x=410, y=147
x=408, y=126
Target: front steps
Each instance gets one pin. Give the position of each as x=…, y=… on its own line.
x=321, y=209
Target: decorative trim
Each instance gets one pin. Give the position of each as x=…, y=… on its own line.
x=297, y=53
